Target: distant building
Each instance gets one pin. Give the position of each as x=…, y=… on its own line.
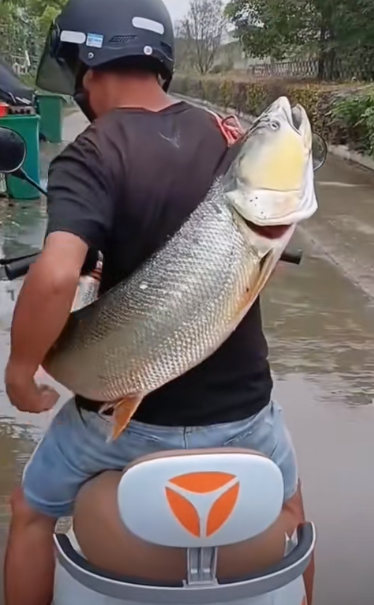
x=231, y=55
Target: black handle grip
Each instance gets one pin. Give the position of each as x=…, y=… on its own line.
x=19, y=268
x=9, y=261
x=293, y=257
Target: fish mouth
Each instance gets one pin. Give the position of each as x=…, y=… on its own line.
x=271, y=232
x=295, y=115
x=281, y=108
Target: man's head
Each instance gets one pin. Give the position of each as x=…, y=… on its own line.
x=96, y=44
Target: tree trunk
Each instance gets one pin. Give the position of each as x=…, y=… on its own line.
x=322, y=53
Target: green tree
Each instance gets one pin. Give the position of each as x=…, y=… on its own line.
x=270, y=27
x=45, y=11
x=329, y=29
x=39, y=7
x=49, y=14
x=23, y=27
x=357, y=24
x=18, y=30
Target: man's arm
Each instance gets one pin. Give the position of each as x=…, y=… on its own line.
x=80, y=216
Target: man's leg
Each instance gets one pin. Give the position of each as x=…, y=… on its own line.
x=51, y=481
x=294, y=509
x=73, y=450
x=29, y=561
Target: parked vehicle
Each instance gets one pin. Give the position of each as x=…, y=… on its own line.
x=12, y=90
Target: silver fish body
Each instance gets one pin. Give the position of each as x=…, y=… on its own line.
x=169, y=316
x=185, y=301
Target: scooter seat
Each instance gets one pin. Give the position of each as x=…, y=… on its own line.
x=196, y=519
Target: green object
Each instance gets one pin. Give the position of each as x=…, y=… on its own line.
x=50, y=110
x=27, y=125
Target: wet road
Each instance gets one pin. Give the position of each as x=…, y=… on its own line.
x=319, y=321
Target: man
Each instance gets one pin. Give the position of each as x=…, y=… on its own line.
x=126, y=184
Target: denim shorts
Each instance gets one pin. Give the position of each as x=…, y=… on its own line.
x=75, y=448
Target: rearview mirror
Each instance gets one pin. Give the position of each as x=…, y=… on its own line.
x=12, y=150
x=319, y=151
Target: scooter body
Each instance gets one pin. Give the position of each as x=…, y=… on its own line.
x=201, y=502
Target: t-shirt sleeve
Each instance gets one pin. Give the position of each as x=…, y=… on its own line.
x=80, y=198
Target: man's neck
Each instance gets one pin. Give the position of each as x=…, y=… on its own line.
x=140, y=93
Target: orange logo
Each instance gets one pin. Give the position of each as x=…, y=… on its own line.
x=202, y=502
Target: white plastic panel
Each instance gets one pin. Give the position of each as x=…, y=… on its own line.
x=74, y=584
x=149, y=25
x=68, y=591
x=73, y=37
x=201, y=500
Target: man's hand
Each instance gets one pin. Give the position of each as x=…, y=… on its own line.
x=25, y=394
x=41, y=312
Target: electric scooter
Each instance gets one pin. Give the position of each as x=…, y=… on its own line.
x=177, y=527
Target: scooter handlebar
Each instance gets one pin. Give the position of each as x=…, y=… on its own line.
x=19, y=268
x=292, y=256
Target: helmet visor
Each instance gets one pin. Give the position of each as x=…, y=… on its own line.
x=59, y=65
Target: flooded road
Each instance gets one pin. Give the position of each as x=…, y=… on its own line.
x=321, y=341
x=319, y=320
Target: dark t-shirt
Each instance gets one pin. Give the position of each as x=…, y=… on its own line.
x=124, y=186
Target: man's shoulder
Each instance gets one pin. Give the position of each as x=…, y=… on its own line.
x=83, y=147
x=200, y=112
x=119, y=120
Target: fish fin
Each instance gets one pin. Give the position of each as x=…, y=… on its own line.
x=264, y=273
x=123, y=412
x=263, y=277
x=267, y=267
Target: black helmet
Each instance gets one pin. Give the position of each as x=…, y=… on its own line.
x=93, y=33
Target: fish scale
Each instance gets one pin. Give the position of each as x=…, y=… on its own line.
x=170, y=315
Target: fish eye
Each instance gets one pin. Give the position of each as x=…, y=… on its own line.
x=274, y=125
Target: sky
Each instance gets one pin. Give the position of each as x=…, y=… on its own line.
x=177, y=8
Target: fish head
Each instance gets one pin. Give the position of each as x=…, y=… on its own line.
x=270, y=183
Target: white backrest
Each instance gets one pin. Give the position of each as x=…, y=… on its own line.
x=201, y=499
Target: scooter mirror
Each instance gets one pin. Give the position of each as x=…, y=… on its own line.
x=319, y=151
x=12, y=150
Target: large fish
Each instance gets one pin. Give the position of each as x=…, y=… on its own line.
x=184, y=302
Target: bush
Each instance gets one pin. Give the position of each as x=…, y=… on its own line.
x=355, y=117
x=347, y=119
